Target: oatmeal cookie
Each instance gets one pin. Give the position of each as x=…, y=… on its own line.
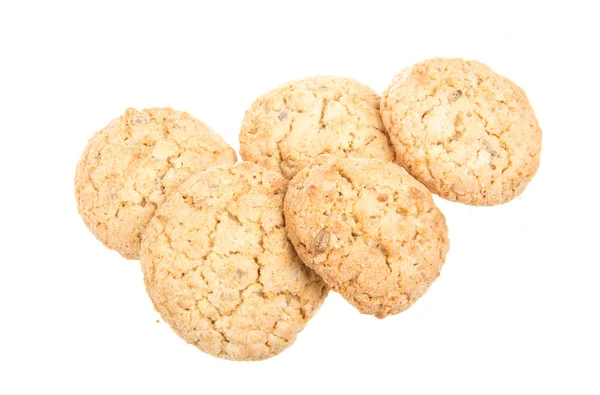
x=370, y=230
x=288, y=127
x=220, y=269
x=129, y=167
x=467, y=133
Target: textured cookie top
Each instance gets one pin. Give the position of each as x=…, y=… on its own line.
x=287, y=128
x=371, y=231
x=220, y=269
x=467, y=133
x=129, y=167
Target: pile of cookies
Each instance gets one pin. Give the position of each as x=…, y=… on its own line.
x=334, y=193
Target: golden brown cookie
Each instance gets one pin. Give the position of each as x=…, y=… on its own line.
x=371, y=231
x=220, y=269
x=467, y=133
x=128, y=168
x=288, y=127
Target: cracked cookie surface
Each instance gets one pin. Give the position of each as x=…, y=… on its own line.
x=220, y=269
x=288, y=127
x=128, y=168
x=467, y=133
x=370, y=230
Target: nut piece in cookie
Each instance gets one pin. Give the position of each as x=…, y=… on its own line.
x=220, y=269
x=321, y=241
x=129, y=167
x=467, y=133
x=288, y=127
x=370, y=230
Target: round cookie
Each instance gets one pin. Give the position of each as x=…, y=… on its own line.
x=220, y=269
x=288, y=127
x=370, y=230
x=467, y=133
x=128, y=168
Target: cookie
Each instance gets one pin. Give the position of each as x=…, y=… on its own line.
x=370, y=230
x=288, y=127
x=128, y=168
x=467, y=133
x=220, y=269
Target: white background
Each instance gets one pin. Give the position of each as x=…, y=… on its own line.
x=516, y=308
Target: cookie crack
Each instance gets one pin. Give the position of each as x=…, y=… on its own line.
x=321, y=123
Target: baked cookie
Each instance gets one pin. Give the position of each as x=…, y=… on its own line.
x=467, y=133
x=220, y=269
x=128, y=168
x=371, y=231
x=288, y=127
